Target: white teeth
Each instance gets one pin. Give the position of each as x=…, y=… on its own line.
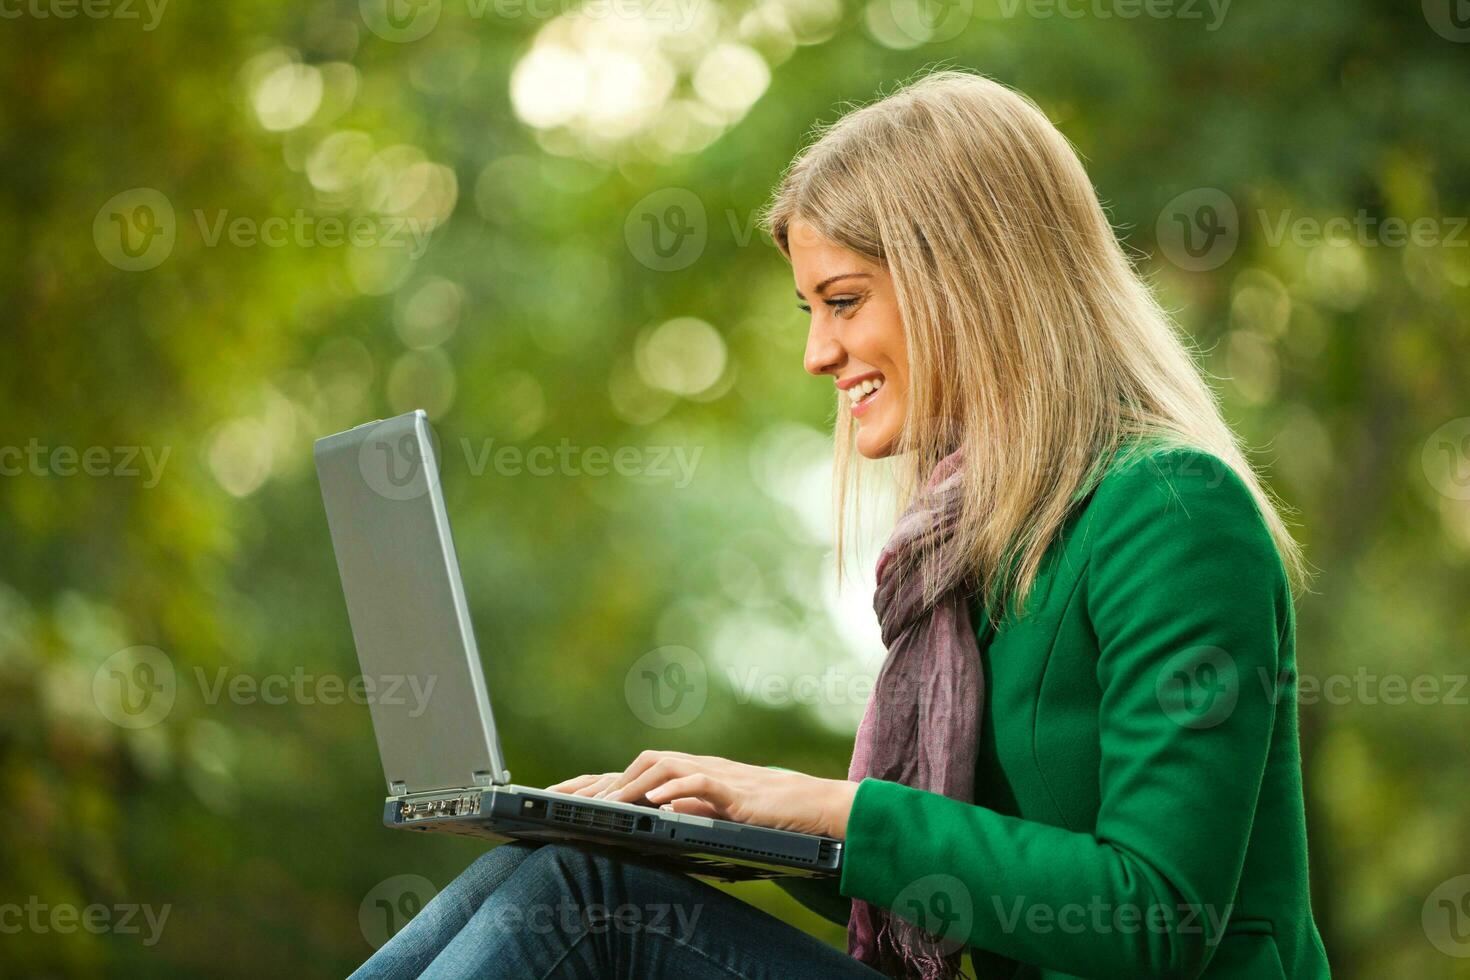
x=858, y=392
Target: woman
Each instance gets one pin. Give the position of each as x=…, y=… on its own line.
x=1080, y=757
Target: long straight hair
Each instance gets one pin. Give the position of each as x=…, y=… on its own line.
x=1034, y=346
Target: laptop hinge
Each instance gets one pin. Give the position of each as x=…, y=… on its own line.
x=397, y=787
x=483, y=778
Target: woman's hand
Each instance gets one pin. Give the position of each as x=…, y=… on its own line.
x=709, y=786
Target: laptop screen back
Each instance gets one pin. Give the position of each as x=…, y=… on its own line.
x=421, y=670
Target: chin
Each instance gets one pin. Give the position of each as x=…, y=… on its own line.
x=875, y=443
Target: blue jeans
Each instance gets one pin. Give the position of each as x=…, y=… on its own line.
x=529, y=911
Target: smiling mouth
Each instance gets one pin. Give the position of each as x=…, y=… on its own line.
x=861, y=395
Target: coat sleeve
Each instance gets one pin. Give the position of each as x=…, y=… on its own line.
x=1188, y=600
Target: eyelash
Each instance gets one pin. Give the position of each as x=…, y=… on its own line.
x=837, y=305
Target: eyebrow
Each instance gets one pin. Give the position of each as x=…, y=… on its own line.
x=831, y=279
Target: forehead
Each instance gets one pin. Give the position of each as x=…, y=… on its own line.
x=814, y=257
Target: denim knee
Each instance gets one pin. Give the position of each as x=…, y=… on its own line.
x=598, y=877
x=568, y=862
x=494, y=866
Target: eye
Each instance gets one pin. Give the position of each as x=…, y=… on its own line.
x=840, y=305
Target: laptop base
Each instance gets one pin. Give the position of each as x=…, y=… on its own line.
x=689, y=844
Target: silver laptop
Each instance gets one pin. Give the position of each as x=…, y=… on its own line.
x=442, y=758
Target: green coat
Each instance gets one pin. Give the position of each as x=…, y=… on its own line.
x=1139, y=790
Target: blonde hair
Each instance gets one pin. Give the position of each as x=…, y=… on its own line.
x=1034, y=347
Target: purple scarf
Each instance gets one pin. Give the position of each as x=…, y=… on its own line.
x=922, y=723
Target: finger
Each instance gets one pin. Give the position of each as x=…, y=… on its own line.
x=575, y=783
x=696, y=785
x=646, y=760
x=596, y=788
x=656, y=775
x=690, y=805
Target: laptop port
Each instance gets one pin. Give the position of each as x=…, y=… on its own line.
x=456, y=806
x=644, y=825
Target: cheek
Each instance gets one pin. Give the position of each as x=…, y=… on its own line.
x=879, y=340
x=891, y=352
x=888, y=336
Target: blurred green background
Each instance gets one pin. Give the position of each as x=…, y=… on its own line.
x=551, y=213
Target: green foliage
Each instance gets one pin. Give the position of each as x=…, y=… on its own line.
x=529, y=321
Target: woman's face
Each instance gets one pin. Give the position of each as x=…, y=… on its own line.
x=856, y=335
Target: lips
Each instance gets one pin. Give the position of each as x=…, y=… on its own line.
x=862, y=391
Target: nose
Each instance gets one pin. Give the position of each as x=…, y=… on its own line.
x=824, y=354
